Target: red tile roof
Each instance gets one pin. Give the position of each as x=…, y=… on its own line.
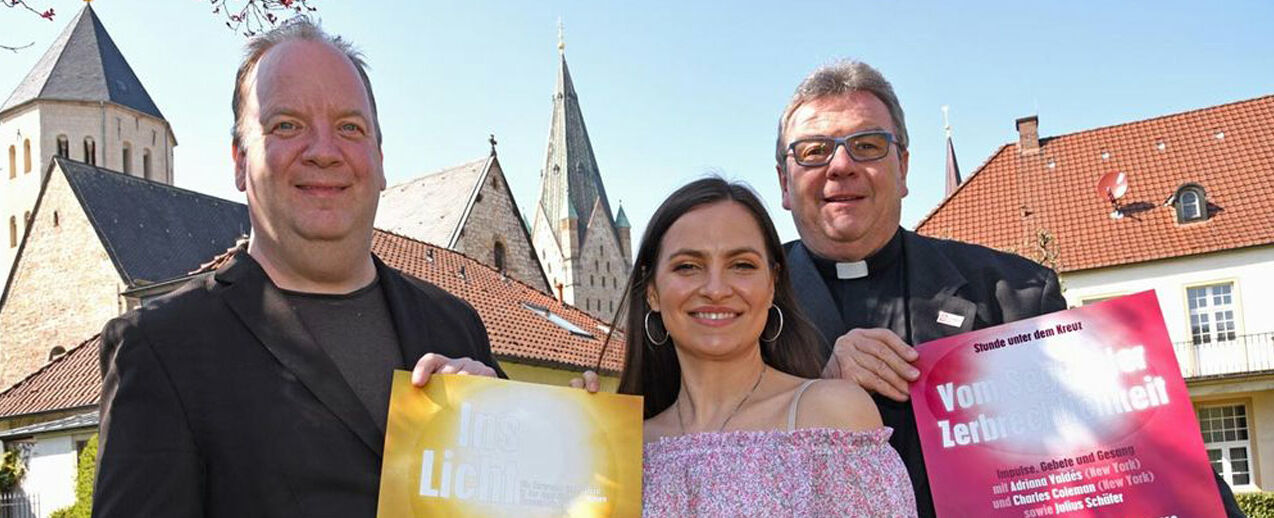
x=72, y=380
x=516, y=332
x=1013, y=199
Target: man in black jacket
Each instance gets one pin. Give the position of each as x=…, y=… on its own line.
x=263, y=390
x=872, y=288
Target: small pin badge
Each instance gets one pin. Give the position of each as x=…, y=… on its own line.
x=950, y=319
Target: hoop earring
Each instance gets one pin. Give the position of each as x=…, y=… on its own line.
x=780, y=331
x=651, y=336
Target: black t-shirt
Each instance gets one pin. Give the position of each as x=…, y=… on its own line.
x=357, y=332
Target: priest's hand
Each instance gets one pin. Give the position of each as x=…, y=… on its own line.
x=877, y=359
x=589, y=382
x=438, y=364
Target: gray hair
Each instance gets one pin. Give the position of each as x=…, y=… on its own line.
x=296, y=28
x=839, y=78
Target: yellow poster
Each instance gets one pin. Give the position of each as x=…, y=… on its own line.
x=470, y=446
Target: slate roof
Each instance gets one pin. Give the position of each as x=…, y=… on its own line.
x=83, y=65
x=151, y=230
x=570, y=183
x=432, y=208
x=75, y=422
x=73, y=380
x=1226, y=149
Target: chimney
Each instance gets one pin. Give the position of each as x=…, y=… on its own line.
x=1028, y=135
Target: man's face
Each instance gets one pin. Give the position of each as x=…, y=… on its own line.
x=844, y=210
x=308, y=157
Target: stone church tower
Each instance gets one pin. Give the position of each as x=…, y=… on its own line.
x=585, y=250
x=81, y=101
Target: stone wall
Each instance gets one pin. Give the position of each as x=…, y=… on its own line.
x=494, y=219
x=64, y=288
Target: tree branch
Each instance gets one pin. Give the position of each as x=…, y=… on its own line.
x=15, y=49
x=256, y=16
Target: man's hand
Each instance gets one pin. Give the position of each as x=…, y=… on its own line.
x=877, y=359
x=589, y=382
x=438, y=364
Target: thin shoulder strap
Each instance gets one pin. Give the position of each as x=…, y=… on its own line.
x=796, y=401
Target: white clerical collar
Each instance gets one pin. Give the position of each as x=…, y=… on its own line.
x=851, y=270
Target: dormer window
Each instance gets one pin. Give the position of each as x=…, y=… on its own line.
x=1191, y=204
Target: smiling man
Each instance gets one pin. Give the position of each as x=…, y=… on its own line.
x=263, y=390
x=872, y=288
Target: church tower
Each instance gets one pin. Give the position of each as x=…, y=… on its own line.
x=584, y=248
x=81, y=101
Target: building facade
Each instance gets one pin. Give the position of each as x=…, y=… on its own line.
x=1193, y=224
x=80, y=101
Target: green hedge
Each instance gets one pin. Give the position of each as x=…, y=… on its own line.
x=83, y=505
x=1256, y=505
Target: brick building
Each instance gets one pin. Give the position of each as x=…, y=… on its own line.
x=81, y=101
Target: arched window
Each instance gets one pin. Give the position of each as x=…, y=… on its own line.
x=26, y=220
x=13, y=162
x=26, y=156
x=126, y=154
x=90, y=151
x=1191, y=204
x=146, y=164
x=64, y=146
x=498, y=256
x=56, y=352
x=13, y=231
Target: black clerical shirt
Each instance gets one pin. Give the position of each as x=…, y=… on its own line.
x=877, y=300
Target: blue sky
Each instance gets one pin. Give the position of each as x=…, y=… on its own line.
x=673, y=90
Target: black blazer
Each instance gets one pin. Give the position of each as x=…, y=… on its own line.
x=985, y=287
x=217, y=402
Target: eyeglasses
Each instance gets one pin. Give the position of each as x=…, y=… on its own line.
x=867, y=146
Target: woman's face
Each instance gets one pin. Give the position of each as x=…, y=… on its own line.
x=713, y=282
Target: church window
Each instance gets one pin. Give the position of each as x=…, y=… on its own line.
x=153, y=137
x=127, y=156
x=90, y=151
x=495, y=182
x=13, y=162
x=64, y=146
x=26, y=220
x=498, y=256
x=13, y=231
x=590, y=281
x=26, y=156
x=146, y=164
x=607, y=266
x=595, y=268
x=55, y=218
x=612, y=305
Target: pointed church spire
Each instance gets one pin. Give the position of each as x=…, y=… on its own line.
x=570, y=182
x=953, y=169
x=83, y=65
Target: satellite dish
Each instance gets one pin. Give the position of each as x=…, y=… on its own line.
x=1112, y=186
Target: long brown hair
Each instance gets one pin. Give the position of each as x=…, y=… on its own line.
x=652, y=370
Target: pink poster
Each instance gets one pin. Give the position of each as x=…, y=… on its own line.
x=1079, y=413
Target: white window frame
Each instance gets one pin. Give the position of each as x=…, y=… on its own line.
x=1225, y=445
x=1206, y=302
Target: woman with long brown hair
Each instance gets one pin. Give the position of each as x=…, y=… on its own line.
x=736, y=423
